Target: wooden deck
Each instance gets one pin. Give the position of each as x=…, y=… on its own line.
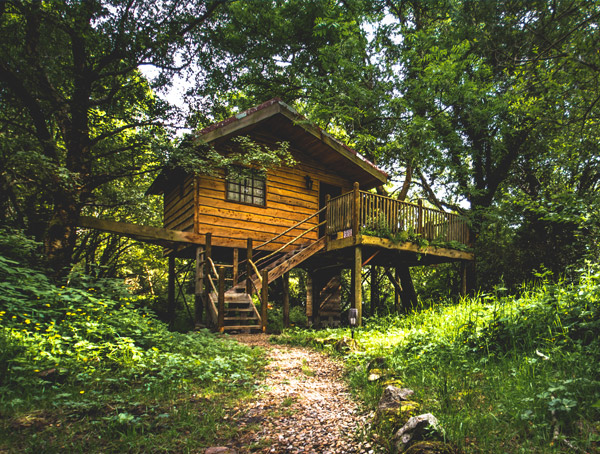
x=363, y=218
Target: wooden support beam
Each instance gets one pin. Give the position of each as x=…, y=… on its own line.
x=171, y=292
x=286, y=300
x=141, y=232
x=397, y=290
x=315, y=290
x=264, y=299
x=199, y=286
x=463, y=279
x=375, y=293
x=221, y=300
x=357, y=283
x=249, y=270
x=207, y=287
x=236, y=262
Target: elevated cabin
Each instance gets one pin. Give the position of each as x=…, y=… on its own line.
x=318, y=214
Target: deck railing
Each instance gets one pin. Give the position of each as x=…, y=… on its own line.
x=382, y=215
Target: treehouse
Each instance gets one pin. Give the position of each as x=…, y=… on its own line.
x=246, y=229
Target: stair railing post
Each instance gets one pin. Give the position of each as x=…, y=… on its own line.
x=356, y=210
x=420, y=217
x=264, y=299
x=221, y=307
x=249, y=270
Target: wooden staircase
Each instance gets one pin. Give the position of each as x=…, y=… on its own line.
x=282, y=265
x=238, y=312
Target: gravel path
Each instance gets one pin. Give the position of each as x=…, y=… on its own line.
x=304, y=407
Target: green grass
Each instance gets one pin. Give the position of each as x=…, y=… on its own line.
x=85, y=368
x=502, y=374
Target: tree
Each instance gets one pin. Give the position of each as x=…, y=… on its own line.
x=76, y=112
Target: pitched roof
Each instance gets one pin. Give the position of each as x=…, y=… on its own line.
x=288, y=125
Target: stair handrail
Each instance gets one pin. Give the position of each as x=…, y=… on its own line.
x=212, y=306
x=255, y=268
x=291, y=241
x=291, y=228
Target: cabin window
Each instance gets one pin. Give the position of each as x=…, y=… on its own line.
x=250, y=189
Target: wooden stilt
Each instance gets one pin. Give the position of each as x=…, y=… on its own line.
x=375, y=294
x=221, y=300
x=264, y=299
x=463, y=279
x=236, y=261
x=171, y=291
x=249, y=270
x=316, y=300
x=309, y=298
x=207, y=254
x=397, y=291
x=357, y=283
x=199, y=286
x=286, y=300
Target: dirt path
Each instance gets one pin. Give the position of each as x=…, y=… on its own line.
x=304, y=407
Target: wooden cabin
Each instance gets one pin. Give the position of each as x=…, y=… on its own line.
x=251, y=229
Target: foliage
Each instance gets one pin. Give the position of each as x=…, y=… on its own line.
x=88, y=351
x=500, y=372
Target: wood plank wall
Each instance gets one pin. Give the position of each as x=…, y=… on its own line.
x=231, y=223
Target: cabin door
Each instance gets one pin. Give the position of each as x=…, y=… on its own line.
x=325, y=190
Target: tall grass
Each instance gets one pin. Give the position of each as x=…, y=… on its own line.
x=501, y=373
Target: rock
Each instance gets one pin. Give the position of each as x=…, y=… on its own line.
x=346, y=344
x=220, y=450
x=394, y=408
x=417, y=428
x=430, y=447
x=392, y=396
x=375, y=374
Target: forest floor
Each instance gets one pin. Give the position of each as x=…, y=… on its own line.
x=303, y=406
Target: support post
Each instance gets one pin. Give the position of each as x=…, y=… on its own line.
x=327, y=200
x=286, y=300
x=249, y=269
x=375, y=298
x=317, y=285
x=463, y=279
x=199, y=287
x=171, y=291
x=221, y=306
x=236, y=262
x=264, y=299
x=207, y=271
x=357, y=284
x=309, y=298
x=356, y=211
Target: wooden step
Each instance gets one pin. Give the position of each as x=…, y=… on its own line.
x=236, y=327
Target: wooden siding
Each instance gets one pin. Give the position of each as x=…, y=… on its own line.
x=178, y=206
x=288, y=202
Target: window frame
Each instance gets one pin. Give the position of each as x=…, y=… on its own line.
x=251, y=176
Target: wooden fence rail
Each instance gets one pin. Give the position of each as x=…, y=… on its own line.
x=384, y=215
